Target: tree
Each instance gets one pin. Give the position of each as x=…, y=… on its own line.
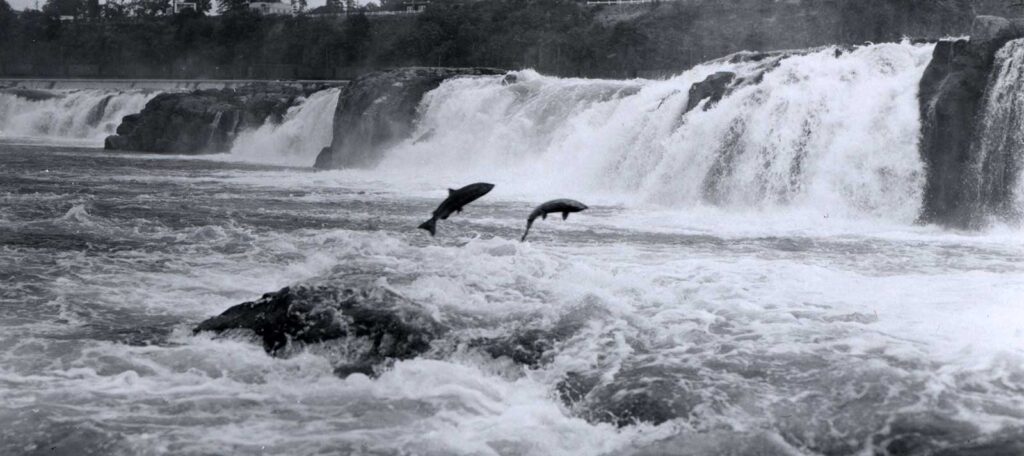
x=7, y=20
x=356, y=37
x=231, y=6
x=150, y=8
x=65, y=7
x=203, y=6
x=6, y=16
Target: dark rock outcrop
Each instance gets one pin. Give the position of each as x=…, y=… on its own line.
x=712, y=88
x=528, y=346
x=203, y=121
x=951, y=96
x=642, y=391
x=393, y=326
x=31, y=94
x=384, y=325
x=378, y=110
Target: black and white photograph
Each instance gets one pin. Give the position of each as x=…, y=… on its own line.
x=512, y=227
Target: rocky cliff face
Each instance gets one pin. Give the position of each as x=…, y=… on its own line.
x=952, y=91
x=378, y=110
x=203, y=121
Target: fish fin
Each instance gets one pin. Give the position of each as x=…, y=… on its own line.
x=430, y=225
x=450, y=191
x=544, y=216
x=565, y=215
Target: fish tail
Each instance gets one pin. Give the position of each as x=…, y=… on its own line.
x=430, y=225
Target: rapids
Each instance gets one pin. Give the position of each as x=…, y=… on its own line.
x=825, y=338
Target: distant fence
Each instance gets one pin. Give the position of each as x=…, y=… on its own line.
x=368, y=13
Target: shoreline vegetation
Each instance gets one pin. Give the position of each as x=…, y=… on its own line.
x=556, y=37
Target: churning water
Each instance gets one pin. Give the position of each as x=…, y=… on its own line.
x=748, y=280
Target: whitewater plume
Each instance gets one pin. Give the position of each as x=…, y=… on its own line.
x=306, y=129
x=995, y=186
x=86, y=116
x=830, y=130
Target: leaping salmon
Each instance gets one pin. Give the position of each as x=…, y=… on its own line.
x=565, y=206
x=457, y=199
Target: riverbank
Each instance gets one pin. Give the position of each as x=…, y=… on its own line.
x=557, y=37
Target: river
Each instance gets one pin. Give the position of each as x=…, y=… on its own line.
x=788, y=305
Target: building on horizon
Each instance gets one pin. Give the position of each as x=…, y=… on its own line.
x=272, y=8
x=178, y=6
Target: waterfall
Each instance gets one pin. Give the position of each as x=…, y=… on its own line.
x=81, y=116
x=830, y=130
x=995, y=187
x=306, y=128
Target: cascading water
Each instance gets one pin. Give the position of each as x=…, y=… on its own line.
x=80, y=116
x=828, y=131
x=307, y=128
x=995, y=185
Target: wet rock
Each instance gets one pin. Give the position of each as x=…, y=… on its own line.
x=376, y=326
x=712, y=89
x=526, y=347
x=574, y=388
x=203, y=121
x=529, y=346
x=719, y=442
x=640, y=392
x=950, y=98
x=378, y=110
x=31, y=94
x=924, y=433
x=1006, y=442
x=364, y=368
x=393, y=326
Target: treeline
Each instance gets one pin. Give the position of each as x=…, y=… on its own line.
x=561, y=37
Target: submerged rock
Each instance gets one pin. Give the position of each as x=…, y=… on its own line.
x=638, y=393
x=393, y=326
x=203, y=121
x=386, y=325
x=528, y=346
x=378, y=110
